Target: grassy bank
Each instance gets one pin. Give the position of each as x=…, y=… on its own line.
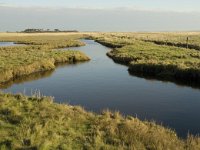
x=147, y=58
x=38, y=123
x=39, y=54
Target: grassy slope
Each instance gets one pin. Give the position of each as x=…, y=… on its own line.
x=151, y=59
x=38, y=55
x=38, y=123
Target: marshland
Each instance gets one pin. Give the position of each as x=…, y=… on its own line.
x=139, y=90
x=35, y=55
x=165, y=56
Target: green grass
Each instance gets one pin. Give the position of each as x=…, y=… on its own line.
x=147, y=58
x=38, y=123
x=38, y=55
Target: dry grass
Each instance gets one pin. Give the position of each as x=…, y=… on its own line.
x=39, y=54
x=38, y=123
x=153, y=59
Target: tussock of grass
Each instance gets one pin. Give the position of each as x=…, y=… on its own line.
x=38, y=123
x=39, y=55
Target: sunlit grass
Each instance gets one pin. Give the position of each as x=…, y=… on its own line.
x=38, y=123
x=38, y=54
x=148, y=58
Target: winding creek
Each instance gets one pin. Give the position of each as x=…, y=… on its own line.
x=101, y=83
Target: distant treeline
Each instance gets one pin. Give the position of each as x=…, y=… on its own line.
x=45, y=30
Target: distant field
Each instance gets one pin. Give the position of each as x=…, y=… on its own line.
x=172, y=37
x=3, y=34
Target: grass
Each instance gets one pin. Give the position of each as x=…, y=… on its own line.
x=38, y=123
x=178, y=39
x=148, y=58
x=189, y=40
x=39, y=54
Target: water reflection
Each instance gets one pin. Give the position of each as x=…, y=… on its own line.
x=28, y=78
x=35, y=76
x=185, y=83
x=4, y=44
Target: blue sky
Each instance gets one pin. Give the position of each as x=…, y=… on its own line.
x=101, y=15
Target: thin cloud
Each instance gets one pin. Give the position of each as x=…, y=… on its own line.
x=144, y=9
x=128, y=5
x=96, y=19
x=8, y=5
x=125, y=8
x=2, y=4
x=143, y=5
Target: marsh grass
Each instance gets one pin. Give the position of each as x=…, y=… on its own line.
x=39, y=54
x=162, y=61
x=189, y=40
x=38, y=123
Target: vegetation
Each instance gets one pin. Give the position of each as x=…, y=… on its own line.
x=46, y=31
x=189, y=40
x=39, y=54
x=38, y=123
x=147, y=58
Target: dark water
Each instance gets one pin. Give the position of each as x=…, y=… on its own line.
x=3, y=44
x=101, y=84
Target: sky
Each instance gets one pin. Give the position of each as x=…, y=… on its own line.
x=101, y=15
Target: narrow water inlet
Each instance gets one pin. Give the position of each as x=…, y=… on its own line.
x=101, y=84
x=3, y=44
